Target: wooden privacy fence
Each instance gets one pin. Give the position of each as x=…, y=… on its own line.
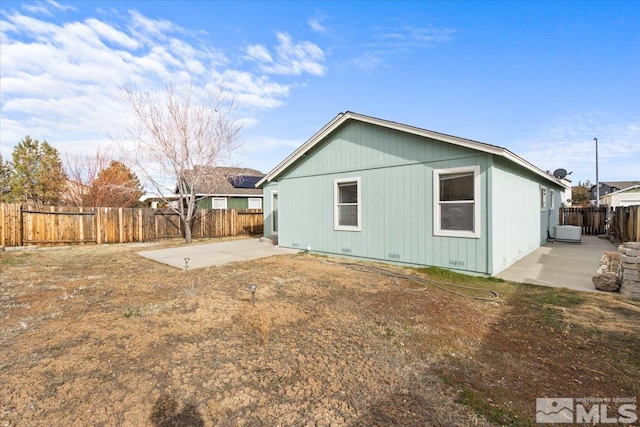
x=590, y=218
x=54, y=225
x=625, y=224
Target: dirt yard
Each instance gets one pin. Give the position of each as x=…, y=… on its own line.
x=101, y=336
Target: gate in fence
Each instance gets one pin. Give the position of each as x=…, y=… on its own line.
x=591, y=219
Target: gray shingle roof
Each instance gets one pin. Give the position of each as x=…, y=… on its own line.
x=218, y=181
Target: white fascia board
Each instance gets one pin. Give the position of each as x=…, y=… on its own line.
x=467, y=143
x=624, y=190
x=310, y=143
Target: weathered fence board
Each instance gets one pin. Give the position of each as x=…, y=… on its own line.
x=590, y=218
x=625, y=224
x=53, y=225
x=56, y=225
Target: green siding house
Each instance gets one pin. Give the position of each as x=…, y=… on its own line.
x=228, y=188
x=379, y=190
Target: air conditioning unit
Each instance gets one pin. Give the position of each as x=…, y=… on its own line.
x=568, y=233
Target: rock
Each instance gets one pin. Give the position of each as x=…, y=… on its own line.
x=606, y=282
x=632, y=245
x=630, y=259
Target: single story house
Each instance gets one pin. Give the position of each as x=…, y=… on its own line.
x=608, y=187
x=379, y=190
x=629, y=196
x=229, y=188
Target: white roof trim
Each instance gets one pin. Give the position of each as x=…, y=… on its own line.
x=624, y=190
x=343, y=117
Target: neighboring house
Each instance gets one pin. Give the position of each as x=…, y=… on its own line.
x=155, y=202
x=379, y=190
x=629, y=196
x=609, y=187
x=229, y=188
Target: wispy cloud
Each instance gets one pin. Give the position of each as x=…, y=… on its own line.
x=411, y=37
x=389, y=42
x=46, y=7
x=370, y=61
x=316, y=24
x=568, y=143
x=290, y=57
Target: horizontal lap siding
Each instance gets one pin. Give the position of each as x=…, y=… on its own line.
x=396, y=172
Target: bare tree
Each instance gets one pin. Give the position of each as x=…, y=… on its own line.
x=82, y=171
x=174, y=134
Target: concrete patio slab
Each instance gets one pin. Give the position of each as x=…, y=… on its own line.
x=561, y=265
x=212, y=254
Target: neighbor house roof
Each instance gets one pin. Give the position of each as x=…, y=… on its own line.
x=228, y=181
x=629, y=189
x=341, y=118
x=621, y=185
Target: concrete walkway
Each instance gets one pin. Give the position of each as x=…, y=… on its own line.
x=211, y=254
x=561, y=265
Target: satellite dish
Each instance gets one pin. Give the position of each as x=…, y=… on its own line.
x=560, y=173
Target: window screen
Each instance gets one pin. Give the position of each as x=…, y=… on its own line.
x=457, y=201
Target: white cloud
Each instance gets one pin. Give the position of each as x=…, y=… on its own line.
x=45, y=8
x=61, y=80
x=253, y=92
x=38, y=8
x=291, y=58
x=60, y=6
x=316, y=25
x=410, y=37
x=369, y=61
x=259, y=53
x=389, y=42
x=568, y=143
x=111, y=34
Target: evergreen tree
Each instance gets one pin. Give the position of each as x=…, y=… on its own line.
x=5, y=188
x=36, y=173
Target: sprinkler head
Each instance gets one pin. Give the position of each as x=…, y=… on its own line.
x=252, y=288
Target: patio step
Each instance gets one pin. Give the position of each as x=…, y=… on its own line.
x=272, y=240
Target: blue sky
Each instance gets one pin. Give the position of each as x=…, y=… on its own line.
x=539, y=78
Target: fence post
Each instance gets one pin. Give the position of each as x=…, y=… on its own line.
x=98, y=220
x=637, y=212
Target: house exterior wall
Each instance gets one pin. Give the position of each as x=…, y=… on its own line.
x=628, y=197
x=268, y=189
x=519, y=222
x=396, y=175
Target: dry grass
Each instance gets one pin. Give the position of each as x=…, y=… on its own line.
x=101, y=336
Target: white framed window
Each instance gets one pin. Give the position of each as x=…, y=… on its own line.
x=457, y=202
x=543, y=199
x=219, y=203
x=255, y=203
x=347, y=204
x=552, y=195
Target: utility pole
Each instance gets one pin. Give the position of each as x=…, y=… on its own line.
x=597, y=178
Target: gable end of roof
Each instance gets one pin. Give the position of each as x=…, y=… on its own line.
x=342, y=118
